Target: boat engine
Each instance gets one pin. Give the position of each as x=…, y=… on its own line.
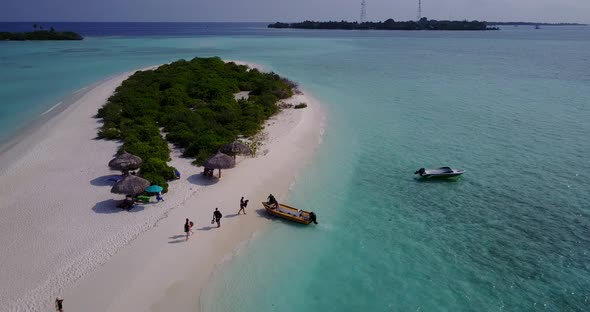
x=312, y=217
x=420, y=171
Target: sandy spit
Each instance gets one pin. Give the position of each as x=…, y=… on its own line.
x=61, y=233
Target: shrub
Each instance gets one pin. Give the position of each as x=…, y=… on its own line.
x=156, y=179
x=158, y=167
x=193, y=102
x=109, y=134
x=300, y=105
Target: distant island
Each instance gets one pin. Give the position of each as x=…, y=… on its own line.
x=534, y=24
x=40, y=34
x=423, y=24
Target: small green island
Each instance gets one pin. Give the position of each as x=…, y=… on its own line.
x=390, y=24
x=191, y=104
x=40, y=34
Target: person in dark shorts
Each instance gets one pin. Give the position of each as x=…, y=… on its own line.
x=217, y=217
x=187, y=228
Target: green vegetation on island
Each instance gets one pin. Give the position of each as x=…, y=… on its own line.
x=193, y=104
x=40, y=34
x=390, y=24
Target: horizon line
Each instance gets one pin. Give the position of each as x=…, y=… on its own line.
x=260, y=22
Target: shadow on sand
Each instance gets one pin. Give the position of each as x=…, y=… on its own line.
x=110, y=206
x=207, y=228
x=199, y=179
x=231, y=215
x=177, y=239
x=263, y=214
x=107, y=180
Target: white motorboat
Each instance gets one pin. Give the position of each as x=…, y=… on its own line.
x=442, y=172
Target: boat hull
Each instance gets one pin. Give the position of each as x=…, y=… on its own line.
x=288, y=213
x=441, y=173
x=441, y=176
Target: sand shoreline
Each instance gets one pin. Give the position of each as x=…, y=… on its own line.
x=17, y=144
x=143, y=265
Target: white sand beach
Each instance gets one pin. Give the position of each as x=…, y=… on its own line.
x=62, y=234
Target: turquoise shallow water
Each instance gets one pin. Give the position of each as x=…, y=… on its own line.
x=512, y=234
x=511, y=107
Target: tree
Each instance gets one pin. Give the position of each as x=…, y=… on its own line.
x=389, y=24
x=193, y=103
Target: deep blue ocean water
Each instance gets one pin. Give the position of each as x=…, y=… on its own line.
x=511, y=107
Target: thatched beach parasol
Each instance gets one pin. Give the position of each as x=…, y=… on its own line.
x=220, y=161
x=130, y=185
x=236, y=147
x=125, y=162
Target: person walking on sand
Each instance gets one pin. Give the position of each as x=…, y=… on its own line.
x=190, y=227
x=59, y=305
x=187, y=228
x=243, y=204
x=217, y=217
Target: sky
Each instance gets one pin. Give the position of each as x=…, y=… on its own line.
x=290, y=11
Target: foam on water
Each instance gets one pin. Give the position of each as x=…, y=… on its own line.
x=52, y=107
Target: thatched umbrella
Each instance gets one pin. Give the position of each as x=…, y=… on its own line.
x=125, y=162
x=236, y=147
x=220, y=161
x=130, y=185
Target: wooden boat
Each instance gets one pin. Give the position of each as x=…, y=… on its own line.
x=290, y=213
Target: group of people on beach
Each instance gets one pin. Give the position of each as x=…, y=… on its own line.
x=217, y=215
x=188, y=230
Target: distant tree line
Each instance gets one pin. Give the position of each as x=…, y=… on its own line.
x=390, y=24
x=40, y=34
x=533, y=24
x=193, y=104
